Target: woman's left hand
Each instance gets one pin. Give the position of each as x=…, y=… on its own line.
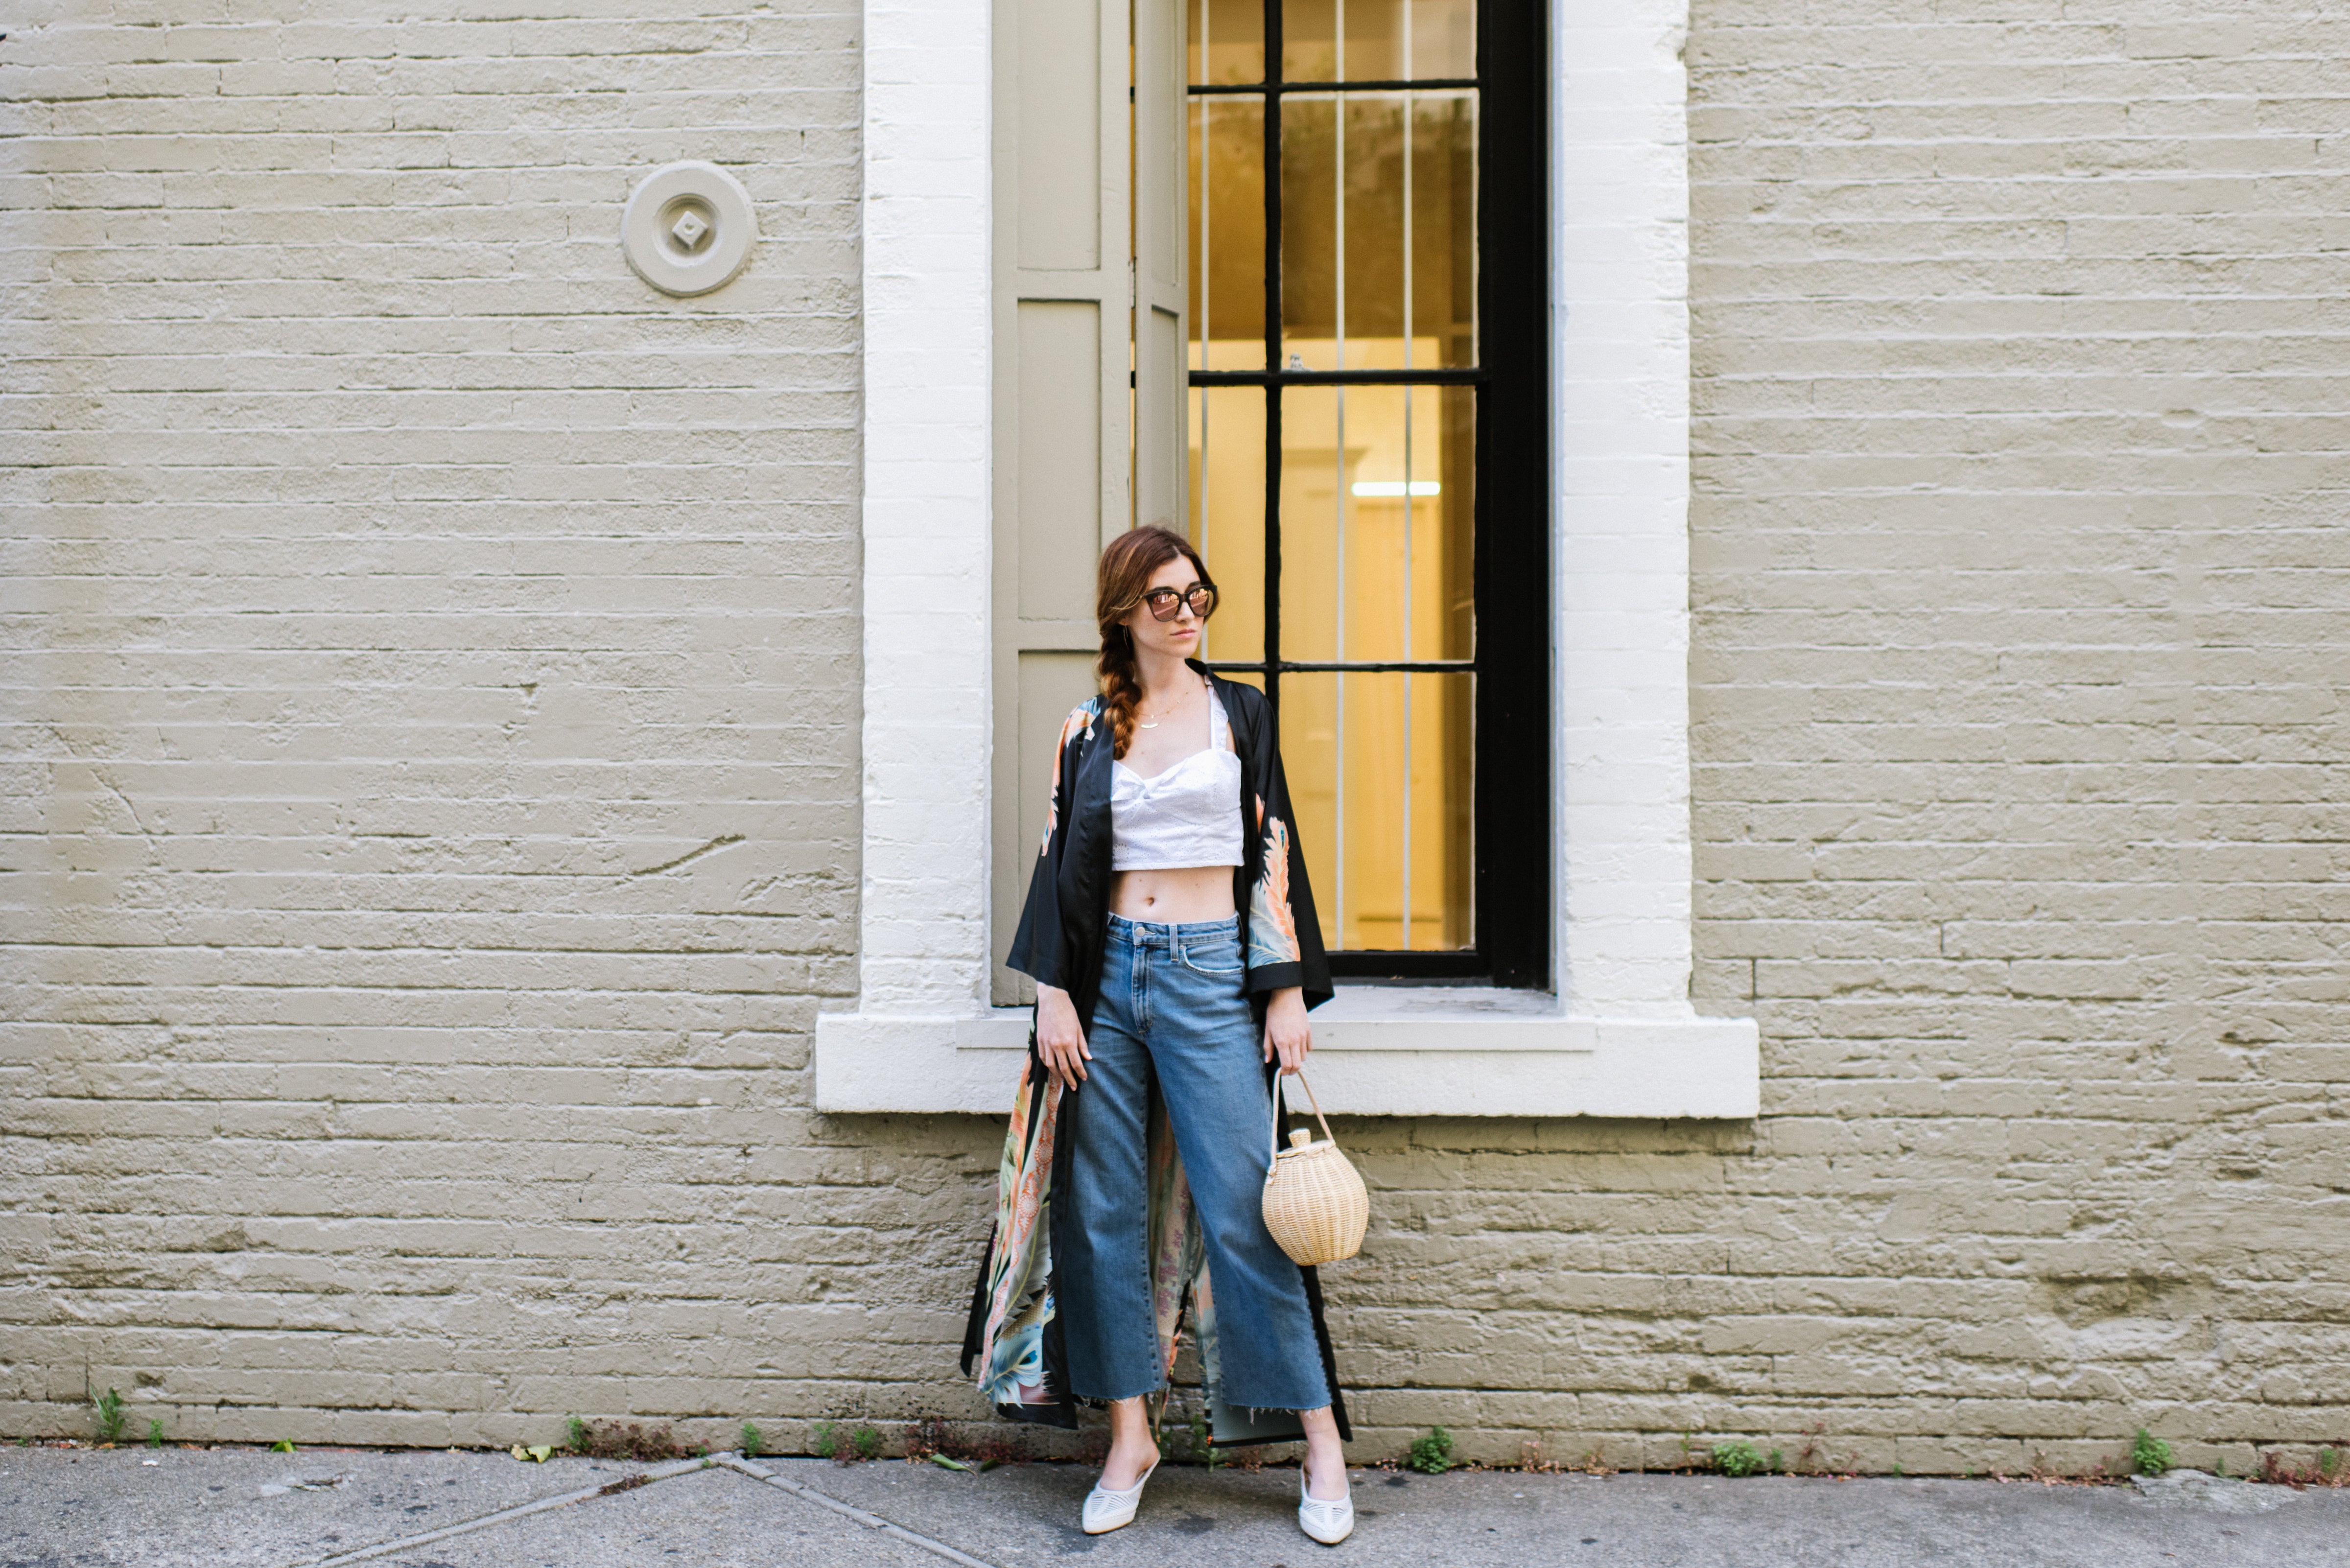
x=1286, y=1032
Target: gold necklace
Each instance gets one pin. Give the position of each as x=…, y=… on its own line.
x=1152, y=724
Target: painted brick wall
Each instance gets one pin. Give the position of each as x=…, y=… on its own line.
x=433, y=776
x=2022, y=594
x=431, y=754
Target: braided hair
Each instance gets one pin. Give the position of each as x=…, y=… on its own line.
x=1126, y=570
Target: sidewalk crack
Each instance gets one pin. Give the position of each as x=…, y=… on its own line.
x=520, y=1511
x=646, y=1477
x=870, y=1520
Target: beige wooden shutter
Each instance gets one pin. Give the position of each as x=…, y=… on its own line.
x=1063, y=479
x=1161, y=225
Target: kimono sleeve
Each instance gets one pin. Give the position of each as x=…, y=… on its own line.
x=1036, y=946
x=1284, y=932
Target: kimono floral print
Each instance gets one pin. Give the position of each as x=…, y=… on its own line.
x=1015, y=1289
x=1013, y=1343
x=1271, y=926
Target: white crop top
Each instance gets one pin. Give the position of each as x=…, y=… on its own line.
x=1188, y=815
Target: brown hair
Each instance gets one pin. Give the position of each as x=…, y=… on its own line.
x=1125, y=569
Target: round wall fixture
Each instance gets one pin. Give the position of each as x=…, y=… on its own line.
x=688, y=228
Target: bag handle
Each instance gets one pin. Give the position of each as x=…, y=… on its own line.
x=1281, y=1110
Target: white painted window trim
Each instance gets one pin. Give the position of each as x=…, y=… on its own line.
x=1619, y=1038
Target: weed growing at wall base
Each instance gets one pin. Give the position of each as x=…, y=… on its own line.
x=1200, y=1446
x=110, y=1415
x=2329, y=1470
x=846, y=1447
x=623, y=1440
x=1738, y=1457
x=751, y=1442
x=1432, y=1455
x=2149, y=1453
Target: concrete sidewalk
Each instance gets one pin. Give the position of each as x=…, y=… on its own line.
x=71, y=1508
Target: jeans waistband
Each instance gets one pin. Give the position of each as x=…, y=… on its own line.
x=1165, y=933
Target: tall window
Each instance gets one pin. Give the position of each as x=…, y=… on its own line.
x=1367, y=441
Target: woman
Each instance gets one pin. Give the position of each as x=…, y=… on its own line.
x=1172, y=939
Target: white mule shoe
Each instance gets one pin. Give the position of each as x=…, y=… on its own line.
x=1106, y=1511
x=1327, y=1523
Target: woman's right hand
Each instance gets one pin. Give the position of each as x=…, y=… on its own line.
x=1060, y=1038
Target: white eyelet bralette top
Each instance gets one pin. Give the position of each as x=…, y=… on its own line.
x=1188, y=815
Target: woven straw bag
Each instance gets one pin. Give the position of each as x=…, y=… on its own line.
x=1315, y=1203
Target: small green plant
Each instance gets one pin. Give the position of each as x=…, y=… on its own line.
x=827, y=1441
x=1897, y=1465
x=155, y=1434
x=110, y=1415
x=2149, y=1453
x=869, y=1441
x=751, y=1442
x=606, y=1440
x=2328, y=1462
x=281, y=1446
x=1202, y=1448
x=1431, y=1455
x=1737, y=1458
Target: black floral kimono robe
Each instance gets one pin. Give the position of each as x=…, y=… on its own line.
x=1014, y=1339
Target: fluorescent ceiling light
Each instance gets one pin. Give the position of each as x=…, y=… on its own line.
x=1395, y=489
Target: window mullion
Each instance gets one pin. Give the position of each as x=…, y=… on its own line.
x=1272, y=122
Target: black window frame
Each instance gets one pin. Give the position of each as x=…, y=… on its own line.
x=1511, y=517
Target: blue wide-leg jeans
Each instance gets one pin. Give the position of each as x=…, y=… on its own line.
x=1171, y=1006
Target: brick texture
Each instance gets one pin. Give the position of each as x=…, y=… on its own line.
x=431, y=807
x=432, y=791
x=2022, y=619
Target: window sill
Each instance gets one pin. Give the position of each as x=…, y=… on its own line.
x=1392, y=1051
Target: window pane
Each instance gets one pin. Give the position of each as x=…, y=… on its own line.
x=1227, y=42
x=1374, y=514
x=1377, y=513
x=1372, y=221
x=1227, y=521
x=1378, y=40
x=1444, y=228
x=1227, y=233
x=1444, y=39
x=1445, y=525
x=1381, y=773
x=1331, y=41
x=1310, y=251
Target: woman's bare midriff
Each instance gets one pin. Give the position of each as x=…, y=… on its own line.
x=1174, y=898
